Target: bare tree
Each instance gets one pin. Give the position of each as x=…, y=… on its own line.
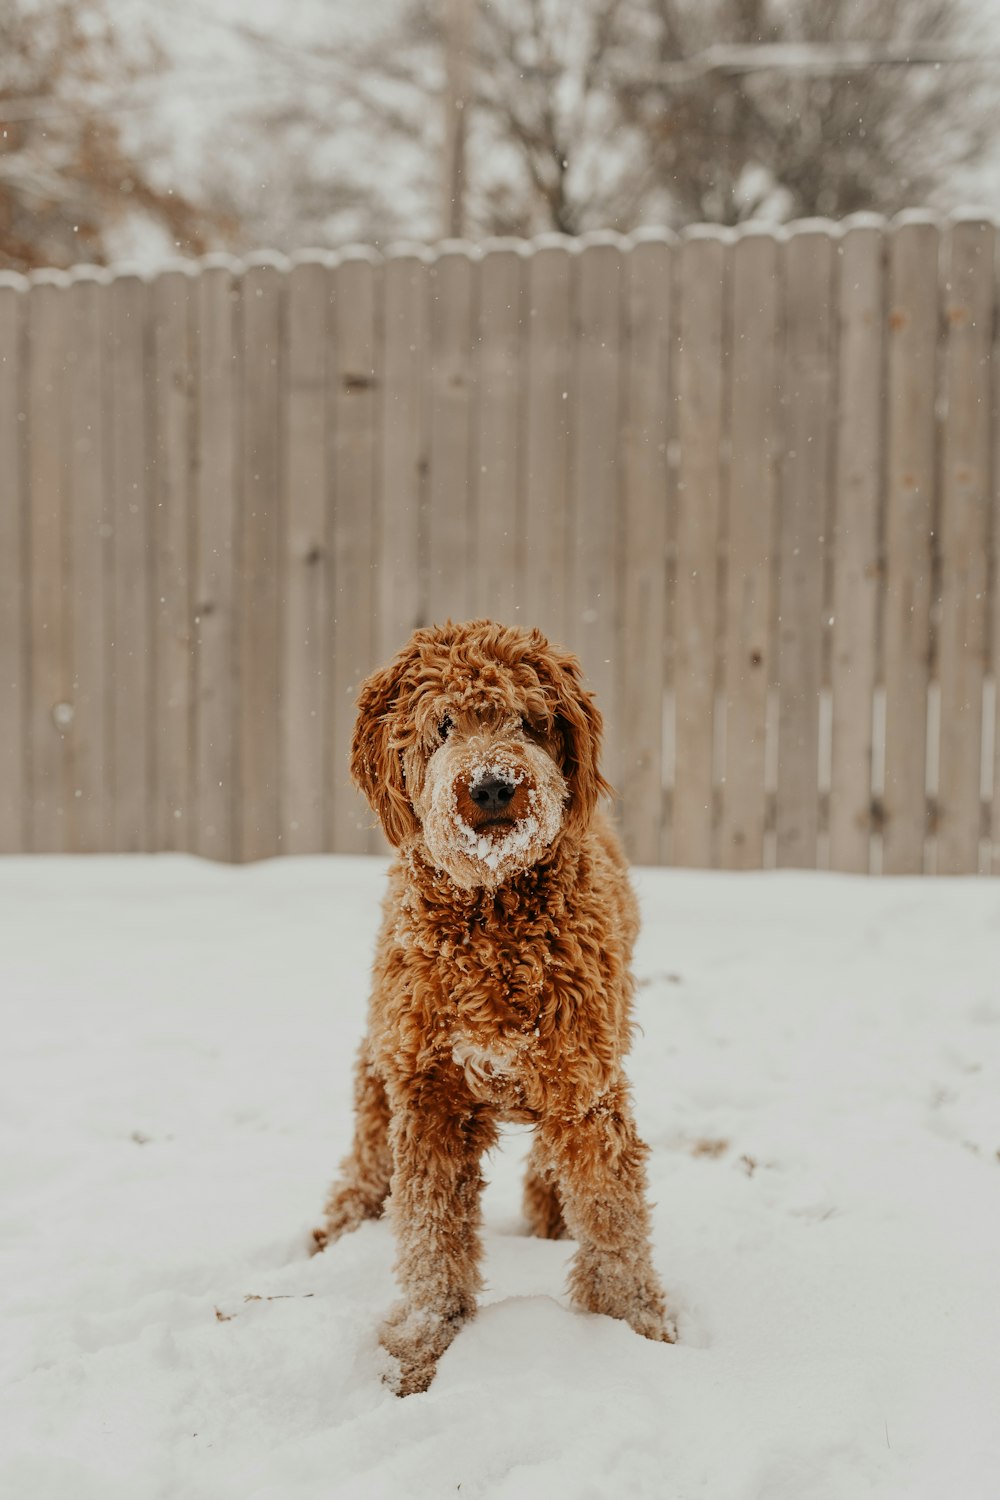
x=66, y=177
x=342, y=140
x=580, y=116
x=727, y=145
x=544, y=147
x=360, y=140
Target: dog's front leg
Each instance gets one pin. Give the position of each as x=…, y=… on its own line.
x=599, y=1163
x=436, y=1185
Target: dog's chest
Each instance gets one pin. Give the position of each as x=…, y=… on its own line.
x=508, y=1073
x=495, y=978
x=481, y=985
x=496, y=982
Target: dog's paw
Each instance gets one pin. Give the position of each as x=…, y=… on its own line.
x=644, y=1308
x=654, y=1323
x=346, y=1208
x=414, y=1338
x=604, y=1283
x=406, y=1377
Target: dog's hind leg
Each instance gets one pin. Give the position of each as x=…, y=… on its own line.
x=541, y=1202
x=363, y=1186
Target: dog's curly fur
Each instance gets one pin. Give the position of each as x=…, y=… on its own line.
x=502, y=985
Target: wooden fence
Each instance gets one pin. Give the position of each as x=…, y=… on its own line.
x=752, y=479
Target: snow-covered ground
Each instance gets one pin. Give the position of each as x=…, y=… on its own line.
x=818, y=1073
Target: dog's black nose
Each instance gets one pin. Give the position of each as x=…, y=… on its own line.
x=493, y=794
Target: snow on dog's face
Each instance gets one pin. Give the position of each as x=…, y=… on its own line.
x=490, y=797
x=480, y=741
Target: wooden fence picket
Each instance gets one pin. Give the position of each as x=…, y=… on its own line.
x=856, y=539
x=702, y=257
x=807, y=401
x=259, y=564
x=353, y=647
x=172, y=448
x=496, y=551
x=648, y=342
x=964, y=538
x=14, y=658
x=131, y=737
x=912, y=351
x=594, y=583
x=306, y=564
x=550, y=397
x=755, y=438
x=215, y=516
x=50, y=675
x=453, y=481
x=401, y=595
x=992, y=776
x=90, y=537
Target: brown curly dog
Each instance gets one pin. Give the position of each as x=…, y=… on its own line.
x=502, y=987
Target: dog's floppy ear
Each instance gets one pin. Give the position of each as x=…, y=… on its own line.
x=376, y=766
x=579, y=726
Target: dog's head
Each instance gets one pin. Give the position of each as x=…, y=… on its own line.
x=481, y=740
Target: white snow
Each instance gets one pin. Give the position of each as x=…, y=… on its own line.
x=818, y=1074
x=503, y=852
x=464, y=851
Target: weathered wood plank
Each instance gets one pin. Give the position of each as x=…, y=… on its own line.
x=992, y=862
x=549, y=402
x=596, y=551
x=402, y=595
x=218, y=480
x=807, y=398
x=969, y=253
x=172, y=451
x=50, y=714
x=90, y=540
x=497, y=500
x=259, y=821
x=306, y=565
x=354, y=642
x=913, y=334
x=700, y=394
x=452, y=591
x=640, y=648
x=755, y=448
x=14, y=661
x=131, y=723
x=856, y=539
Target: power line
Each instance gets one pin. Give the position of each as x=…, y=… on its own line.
x=815, y=59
